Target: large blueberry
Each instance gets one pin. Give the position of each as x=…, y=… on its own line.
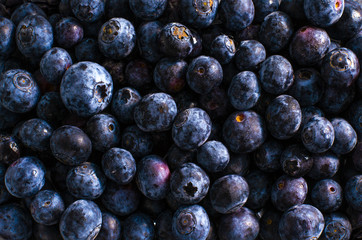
x=345, y=137
x=88, y=10
x=337, y=226
x=223, y=49
x=26, y=9
x=198, y=13
x=148, y=40
x=123, y=104
x=327, y=195
x=111, y=227
x=35, y=133
x=213, y=156
x=136, y=141
x=267, y=156
x=15, y=222
x=323, y=13
x=170, y=74
x=296, y=161
x=68, y=32
x=238, y=13
x=325, y=165
x=250, y=55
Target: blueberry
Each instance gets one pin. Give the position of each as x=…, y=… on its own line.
x=24, y=10
x=260, y=189
x=238, y=14
x=4, y=194
x=35, y=133
x=51, y=108
x=251, y=32
x=19, y=92
x=9, y=149
x=264, y=8
x=88, y=10
x=216, y=104
x=323, y=13
x=117, y=38
x=148, y=10
x=138, y=226
x=327, y=195
x=223, y=49
x=147, y=40
x=47, y=207
x=337, y=226
x=111, y=227
x=123, y=104
x=345, y=136
x=54, y=63
x=296, y=161
x=70, y=145
x=198, y=13
x=238, y=164
x=81, y=220
x=15, y=222
x=269, y=223
x=213, y=156
x=325, y=165
x=249, y=55
x=336, y=99
x=7, y=31
x=25, y=177
x=136, y=141
x=86, y=88
x=352, y=192
x=87, y=50
x=138, y=74
x=68, y=32
x=267, y=156
x=190, y=222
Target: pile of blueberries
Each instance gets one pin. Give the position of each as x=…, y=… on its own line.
x=180, y=119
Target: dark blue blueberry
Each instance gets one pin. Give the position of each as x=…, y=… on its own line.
x=86, y=88
x=111, y=227
x=213, y=156
x=44, y=232
x=175, y=40
x=327, y=195
x=337, y=226
x=189, y=184
x=223, y=49
x=119, y=165
x=337, y=99
x=87, y=50
x=251, y=32
x=163, y=228
x=318, y=135
x=7, y=35
x=244, y=131
x=25, y=177
x=238, y=164
x=9, y=149
x=357, y=159
x=47, y=207
x=296, y=161
x=15, y=222
x=276, y=74
x=70, y=145
x=175, y=157
x=308, y=86
x=190, y=222
x=155, y=112
x=86, y=181
x=238, y=13
x=117, y=38
x=4, y=194
x=81, y=220
x=34, y=36
x=325, y=165
x=276, y=31
x=35, y=133
x=239, y=225
x=153, y=177
x=148, y=10
x=340, y=67
x=136, y=141
x=54, y=63
x=123, y=104
x=148, y=40
x=170, y=75
x=323, y=13
x=121, y=200
x=138, y=226
x=345, y=137
x=88, y=10
x=308, y=113
x=355, y=116
x=264, y=8
x=19, y=92
x=139, y=75
x=267, y=156
x=51, y=108
x=355, y=44
x=216, y=104
x=301, y=222
x=24, y=10
x=269, y=224
x=250, y=55
x=353, y=192
x=244, y=90
x=191, y=129
x=198, y=13
x=283, y=117
x=68, y=32
x=288, y=191
x=259, y=189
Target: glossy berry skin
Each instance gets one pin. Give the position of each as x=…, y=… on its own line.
x=86, y=181
x=34, y=36
x=35, y=133
x=19, y=91
x=288, y=191
x=267, y=156
x=213, y=156
x=169, y=75
x=87, y=50
x=323, y=13
x=308, y=86
x=239, y=225
x=148, y=10
x=264, y=8
x=155, y=112
x=88, y=11
x=51, y=108
x=325, y=165
x=269, y=223
x=223, y=49
x=25, y=10
x=81, y=220
x=15, y=222
x=25, y=177
x=352, y=192
x=123, y=104
x=7, y=33
x=191, y=128
x=296, y=161
x=54, y=63
x=70, y=145
x=138, y=226
x=117, y=38
x=244, y=131
x=203, y=74
x=47, y=207
x=111, y=227
x=301, y=222
x=318, y=135
x=283, y=117
x=309, y=45
x=345, y=136
x=249, y=55
x=244, y=90
x=259, y=189
x=148, y=40
x=189, y=184
x=119, y=165
x=340, y=68
x=93, y=82
x=68, y=32
x=175, y=40
x=104, y=131
x=153, y=177
x=327, y=195
x=276, y=74
x=198, y=13
x=238, y=14
x=137, y=142
x=190, y=223
x=337, y=226
x=121, y=200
